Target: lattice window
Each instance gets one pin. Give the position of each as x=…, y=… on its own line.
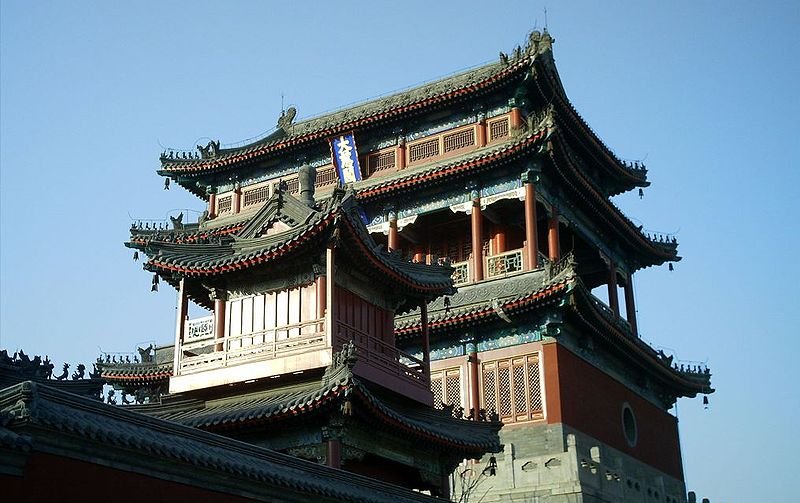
x=224, y=204
x=459, y=140
x=381, y=161
x=511, y=387
x=255, y=196
x=446, y=387
x=436, y=389
x=489, y=389
x=292, y=185
x=499, y=128
x=423, y=150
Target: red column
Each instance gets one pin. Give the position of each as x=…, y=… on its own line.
x=400, y=153
x=236, y=203
x=393, y=236
x=613, y=297
x=219, y=319
x=212, y=205
x=419, y=253
x=499, y=239
x=321, y=295
x=330, y=289
x=531, y=236
x=474, y=380
x=553, y=245
x=480, y=136
x=516, y=118
x=426, y=342
x=333, y=453
x=630, y=307
x=180, y=323
x=477, y=245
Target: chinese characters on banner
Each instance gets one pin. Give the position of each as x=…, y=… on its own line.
x=345, y=158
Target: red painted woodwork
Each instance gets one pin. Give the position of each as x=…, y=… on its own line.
x=516, y=118
x=393, y=237
x=401, y=155
x=474, y=386
x=364, y=316
x=553, y=244
x=219, y=322
x=426, y=341
x=613, y=296
x=589, y=400
x=630, y=306
x=477, y=241
x=481, y=133
x=333, y=454
x=531, y=240
x=212, y=205
x=236, y=203
x=54, y=478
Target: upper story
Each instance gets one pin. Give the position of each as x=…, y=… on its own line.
x=427, y=154
x=287, y=289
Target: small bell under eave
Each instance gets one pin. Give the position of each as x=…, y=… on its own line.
x=641, y=193
x=671, y=267
x=166, y=184
x=136, y=255
x=705, y=402
x=154, y=287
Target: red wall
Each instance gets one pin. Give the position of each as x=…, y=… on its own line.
x=582, y=396
x=53, y=479
x=364, y=316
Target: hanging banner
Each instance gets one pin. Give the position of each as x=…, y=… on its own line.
x=345, y=158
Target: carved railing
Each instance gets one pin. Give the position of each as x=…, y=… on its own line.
x=274, y=342
x=460, y=272
x=199, y=329
x=504, y=263
x=375, y=352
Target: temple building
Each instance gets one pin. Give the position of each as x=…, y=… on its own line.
x=430, y=262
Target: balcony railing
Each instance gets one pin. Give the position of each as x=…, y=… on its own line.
x=208, y=353
x=504, y=263
x=461, y=273
x=385, y=356
x=199, y=329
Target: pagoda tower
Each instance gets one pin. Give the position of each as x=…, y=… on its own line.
x=495, y=171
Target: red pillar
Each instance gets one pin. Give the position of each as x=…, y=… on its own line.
x=219, y=319
x=531, y=236
x=212, y=205
x=426, y=342
x=613, y=297
x=400, y=153
x=236, y=203
x=393, y=236
x=516, y=118
x=480, y=136
x=474, y=380
x=630, y=307
x=180, y=323
x=477, y=245
x=500, y=239
x=553, y=245
x=333, y=453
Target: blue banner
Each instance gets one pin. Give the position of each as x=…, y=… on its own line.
x=345, y=158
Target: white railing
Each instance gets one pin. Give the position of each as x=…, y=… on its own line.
x=460, y=273
x=199, y=329
x=504, y=263
x=274, y=342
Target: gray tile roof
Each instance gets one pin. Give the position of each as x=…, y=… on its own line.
x=50, y=417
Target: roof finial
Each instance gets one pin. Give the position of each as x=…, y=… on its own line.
x=545, y=19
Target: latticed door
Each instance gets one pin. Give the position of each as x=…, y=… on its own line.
x=512, y=388
x=446, y=386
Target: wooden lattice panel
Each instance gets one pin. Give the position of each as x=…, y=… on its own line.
x=381, y=161
x=446, y=387
x=255, y=196
x=224, y=204
x=459, y=139
x=512, y=388
x=326, y=175
x=423, y=150
x=499, y=128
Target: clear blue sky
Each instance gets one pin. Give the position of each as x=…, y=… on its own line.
x=706, y=92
